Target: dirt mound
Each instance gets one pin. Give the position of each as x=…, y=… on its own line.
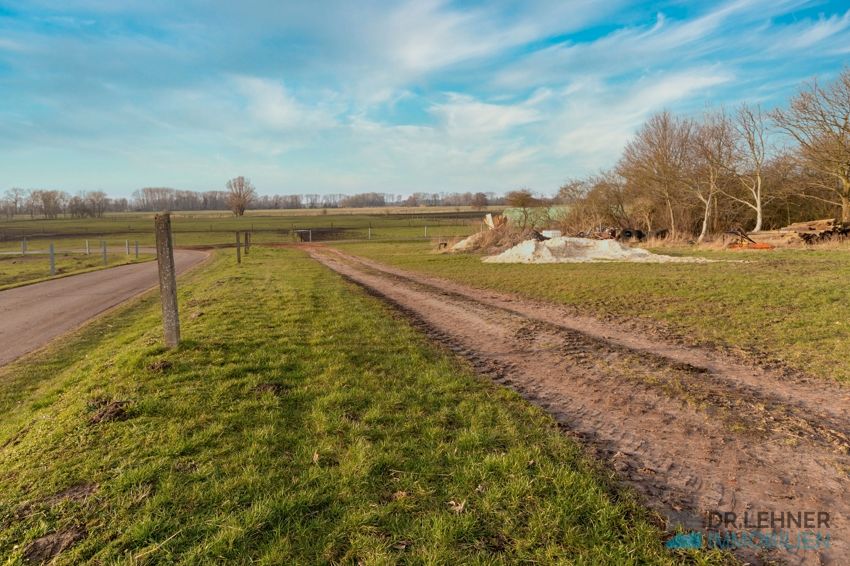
x=492, y=241
x=581, y=250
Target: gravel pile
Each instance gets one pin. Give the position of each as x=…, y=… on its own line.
x=581, y=250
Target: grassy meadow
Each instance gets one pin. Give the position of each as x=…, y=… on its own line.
x=786, y=305
x=299, y=422
x=17, y=270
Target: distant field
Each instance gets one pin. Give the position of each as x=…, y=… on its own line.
x=196, y=228
x=788, y=305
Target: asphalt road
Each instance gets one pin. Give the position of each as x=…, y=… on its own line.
x=33, y=315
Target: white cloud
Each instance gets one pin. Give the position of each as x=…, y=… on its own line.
x=11, y=45
x=272, y=106
x=463, y=115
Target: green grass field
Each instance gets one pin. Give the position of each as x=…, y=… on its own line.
x=17, y=270
x=199, y=228
x=299, y=422
x=787, y=305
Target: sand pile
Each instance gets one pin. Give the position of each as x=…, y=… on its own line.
x=471, y=243
x=581, y=250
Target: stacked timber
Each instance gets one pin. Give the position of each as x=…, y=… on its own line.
x=816, y=231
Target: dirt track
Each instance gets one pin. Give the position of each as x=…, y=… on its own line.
x=694, y=431
x=33, y=315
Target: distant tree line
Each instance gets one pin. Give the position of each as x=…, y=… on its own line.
x=151, y=199
x=50, y=204
x=746, y=168
x=240, y=195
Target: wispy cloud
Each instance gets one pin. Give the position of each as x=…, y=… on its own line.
x=417, y=95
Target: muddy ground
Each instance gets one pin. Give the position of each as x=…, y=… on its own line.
x=693, y=430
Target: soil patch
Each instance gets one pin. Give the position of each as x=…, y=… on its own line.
x=160, y=366
x=43, y=550
x=110, y=411
x=76, y=492
x=275, y=389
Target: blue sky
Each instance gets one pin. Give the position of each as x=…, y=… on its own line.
x=340, y=96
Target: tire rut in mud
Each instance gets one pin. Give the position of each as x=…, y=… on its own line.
x=686, y=437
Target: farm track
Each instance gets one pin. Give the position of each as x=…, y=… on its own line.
x=692, y=430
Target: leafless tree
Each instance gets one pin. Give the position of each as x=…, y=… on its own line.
x=713, y=146
x=240, y=193
x=15, y=197
x=655, y=159
x=751, y=155
x=479, y=201
x=818, y=119
x=524, y=201
x=97, y=202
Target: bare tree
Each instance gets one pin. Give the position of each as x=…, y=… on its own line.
x=818, y=118
x=656, y=158
x=713, y=144
x=479, y=201
x=240, y=193
x=751, y=154
x=15, y=197
x=97, y=202
x=524, y=201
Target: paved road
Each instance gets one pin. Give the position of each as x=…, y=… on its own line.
x=33, y=315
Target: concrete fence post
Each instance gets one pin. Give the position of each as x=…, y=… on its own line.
x=369, y=236
x=167, y=279
x=88, y=251
x=238, y=248
x=311, y=234
x=52, y=261
x=247, y=242
x=103, y=251
x=137, y=249
x=426, y=231
x=127, y=245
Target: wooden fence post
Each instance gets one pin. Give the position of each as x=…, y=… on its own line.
x=238, y=248
x=167, y=279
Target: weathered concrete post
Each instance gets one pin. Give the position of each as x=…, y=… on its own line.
x=167, y=279
x=247, y=242
x=238, y=248
x=127, y=246
x=311, y=234
x=103, y=251
x=426, y=231
x=88, y=251
x=52, y=261
x=137, y=249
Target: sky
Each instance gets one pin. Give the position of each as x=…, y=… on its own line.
x=335, y=96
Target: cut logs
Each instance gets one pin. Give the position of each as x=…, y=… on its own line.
x=816, y=231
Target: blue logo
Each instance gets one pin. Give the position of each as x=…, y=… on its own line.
x=685, y=540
